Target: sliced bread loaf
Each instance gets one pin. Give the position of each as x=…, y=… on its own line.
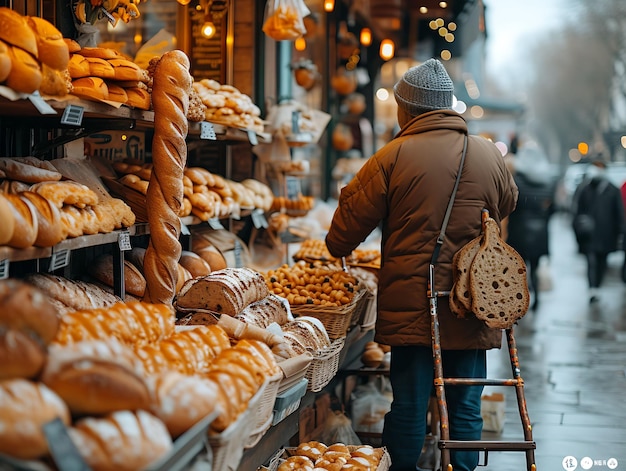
x=461, y=264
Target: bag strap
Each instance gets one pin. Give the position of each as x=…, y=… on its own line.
x=446, y=218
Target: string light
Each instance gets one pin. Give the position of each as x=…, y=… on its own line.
x=329, y=5
x=300, y=44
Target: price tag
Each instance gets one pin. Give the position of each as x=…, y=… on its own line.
x=292, y=188
x=123, y=240
x=62, y=448
x=215, y=223
x=72, y=115
x=259, y=220
x=4, y=269
x=207, y=131
x=252, y=137
x=237, y=252
x=42, y=106
x=59, y=259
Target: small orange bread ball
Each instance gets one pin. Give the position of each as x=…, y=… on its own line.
x=296, y=463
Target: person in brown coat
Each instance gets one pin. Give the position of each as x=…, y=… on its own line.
x=406, y=186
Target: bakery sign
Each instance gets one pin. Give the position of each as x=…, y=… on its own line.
x=116, y=145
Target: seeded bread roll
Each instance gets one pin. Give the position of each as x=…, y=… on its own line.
x=226, y=291
x=170, y=98
x=121, y=441
x=25, y=407
x=498, y=281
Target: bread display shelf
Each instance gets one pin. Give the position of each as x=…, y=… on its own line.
x=228, y=133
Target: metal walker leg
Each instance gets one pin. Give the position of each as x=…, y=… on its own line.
x=527, y=445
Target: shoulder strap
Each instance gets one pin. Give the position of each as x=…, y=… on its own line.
x=446, y=218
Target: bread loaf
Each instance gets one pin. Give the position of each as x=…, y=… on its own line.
x=5, y=61
x=78, y=66
x=25, y=407
x=498, y=281
x=262, y=313
x=138, y=97
x=132, y=323
x=195, y=264
x=26, y=224
x=25, y=75
x=22, y=355
x=76, y=294
x=121, y=441
x=96, y=377
x=49, y=228
x=14, y=30
x=207, y=251
x=26, y=171
x=461, y=263
x=54, y=82
x=102, y=270
x=126, y=70
x=53, y=50
x=226, y=291
x=8, y=222
x=66, y=192
x=100, y=68
x=180, y=401
x=170, y=98
x=90, y=88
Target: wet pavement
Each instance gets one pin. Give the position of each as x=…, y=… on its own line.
x=573, y=360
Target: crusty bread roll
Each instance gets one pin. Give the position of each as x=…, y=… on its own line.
x=195, y=264
x=498, y=281
x=271, y=308
x=116, y=93
x=207, y=251
x=72, y=45
x=53, y=50
x=26, y=223
x=21, y=355
x=78, y=66
x=5, y=61
x=101, y=52
x=25, y=75
x=125, y=69
x=25, y=407
x=49, y=228
x=96, y=377
x=55, y=82
x=180, y=401
x=183, y=277
x=90, y=88
x=228, y=291
x=100, y=68
x=121, y=441
x=66, y=192
x=138, y=98
x=102, y=270
x=14, y=30
x=170, y=98
x=8, y=222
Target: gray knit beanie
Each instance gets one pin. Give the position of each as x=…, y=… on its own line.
x=423, y=88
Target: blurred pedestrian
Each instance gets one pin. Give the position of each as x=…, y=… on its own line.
x=598, y=223
x=527, y=229
x=406, y=186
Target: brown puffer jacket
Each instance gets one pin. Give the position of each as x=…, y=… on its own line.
x=406, y=185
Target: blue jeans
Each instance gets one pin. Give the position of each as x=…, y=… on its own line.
x=411, y=375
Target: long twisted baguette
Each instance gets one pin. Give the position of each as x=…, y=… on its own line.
x=170, y=100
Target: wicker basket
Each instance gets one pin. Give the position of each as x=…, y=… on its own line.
x=262, y=419
x=383, y=465
x=361, y=307
x=336, y=320
x=228, y=446
x=324, y=366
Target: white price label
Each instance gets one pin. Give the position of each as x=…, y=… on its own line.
x=207, y=131
x=184, y=230
x=293, y=189
x=72, y=115
x=4, y=269
x=123, y=240
x=59, y=259
x=259, y=220
x=42, y=106
x=252, y=137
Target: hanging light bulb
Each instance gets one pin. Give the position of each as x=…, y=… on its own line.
x=329, y=5
x=366, y=37
x=300, y=44
x=184, y=2
x=387, y=49
x=208, y=29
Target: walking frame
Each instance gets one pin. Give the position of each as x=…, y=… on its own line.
x=445, y=444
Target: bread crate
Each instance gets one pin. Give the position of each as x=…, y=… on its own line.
x=324, y=365
x=383, y=464
x=288, y=401
x=228, y=446
x=262, y=418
